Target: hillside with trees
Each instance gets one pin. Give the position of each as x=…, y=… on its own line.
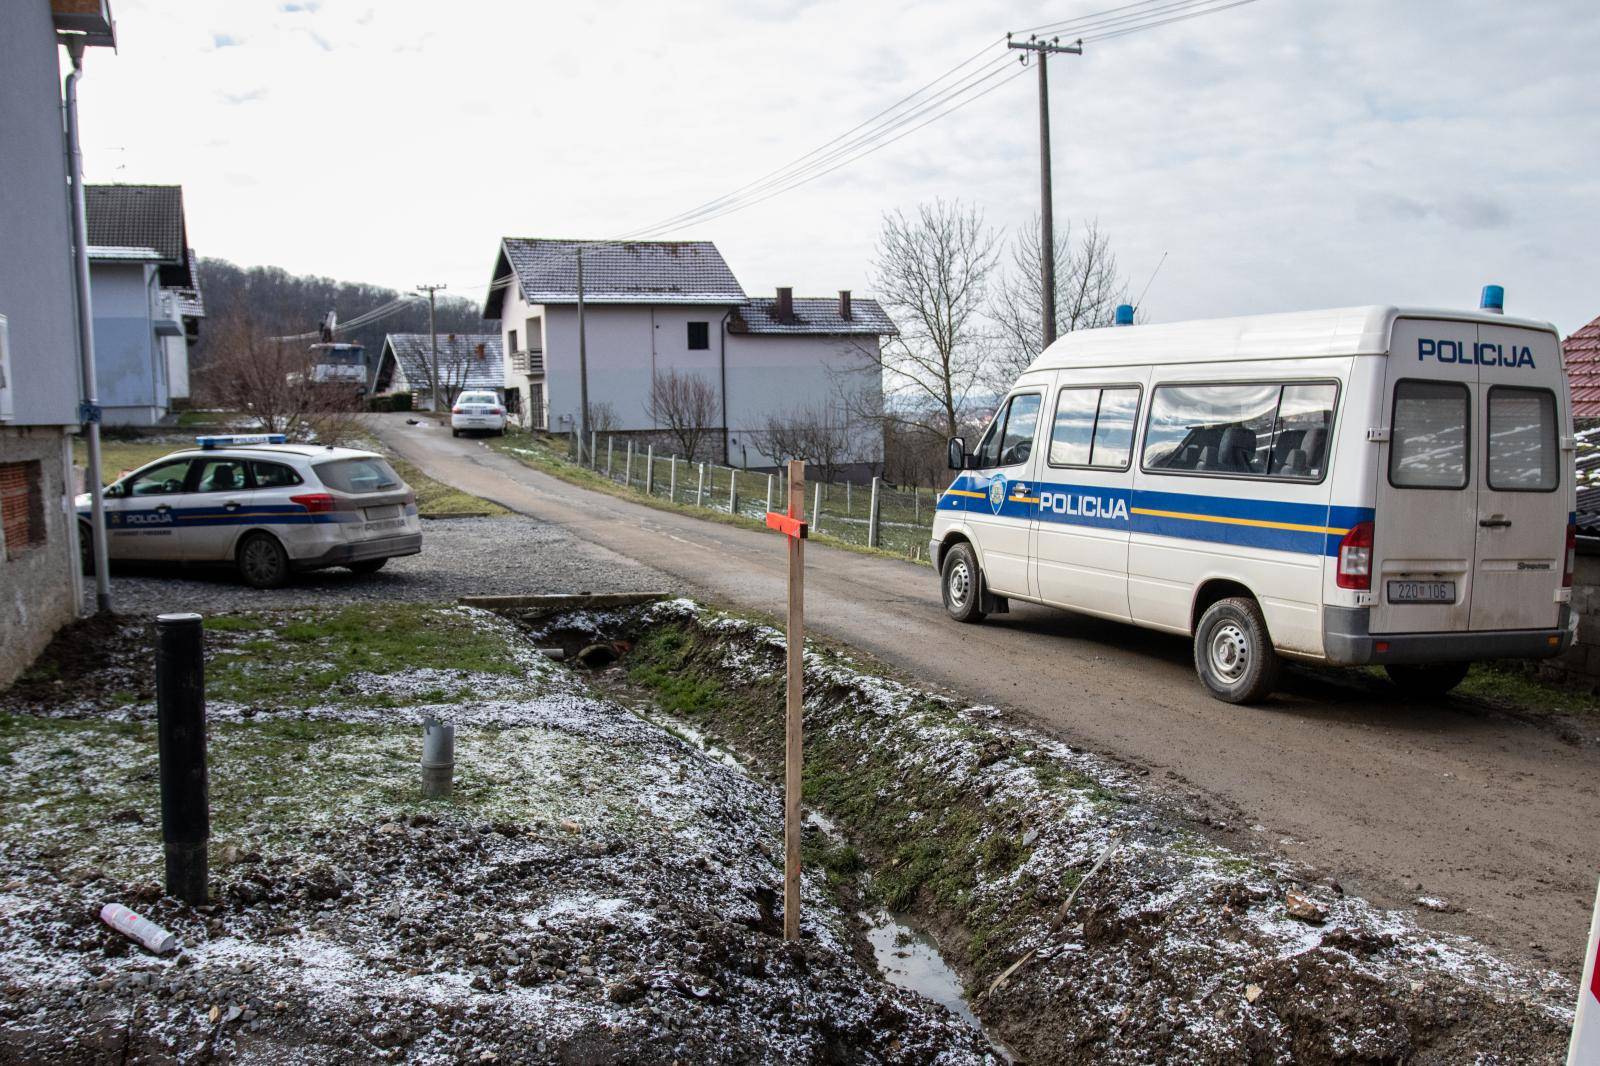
x=281, y=303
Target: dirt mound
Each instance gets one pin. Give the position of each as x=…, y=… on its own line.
x=1176, y=949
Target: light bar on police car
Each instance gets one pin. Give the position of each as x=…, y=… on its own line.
x=237, y=440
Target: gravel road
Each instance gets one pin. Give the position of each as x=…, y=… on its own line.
x=460, y=557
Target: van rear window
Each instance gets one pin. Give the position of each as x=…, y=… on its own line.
x=1523, y=450
x=368, y=474
x=1260, y=429
x=1428, y=436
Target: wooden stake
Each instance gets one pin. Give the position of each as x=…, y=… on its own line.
x=796, y=638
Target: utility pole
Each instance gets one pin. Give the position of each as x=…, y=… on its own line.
x=583, y=365
x=1047, y=234
x=434, y=334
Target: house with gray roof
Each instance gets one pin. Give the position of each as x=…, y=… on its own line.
x=465, y=361
x=146, y=296
x=653, y=309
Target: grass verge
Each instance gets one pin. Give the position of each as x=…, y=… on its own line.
x=541, y=454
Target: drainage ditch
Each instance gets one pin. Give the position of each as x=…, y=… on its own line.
x=1077, y=922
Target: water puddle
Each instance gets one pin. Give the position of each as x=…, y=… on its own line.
x=910, y=959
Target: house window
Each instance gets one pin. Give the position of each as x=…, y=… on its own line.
x=699, y=336
x=22, y=506
x=514, y=341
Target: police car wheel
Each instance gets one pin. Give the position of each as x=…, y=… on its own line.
x=263, y=563
x=455, y=433
x=1426, y=679
x=961, y=583
x=1233, y=652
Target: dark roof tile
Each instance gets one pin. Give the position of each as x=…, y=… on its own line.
x=139, y=216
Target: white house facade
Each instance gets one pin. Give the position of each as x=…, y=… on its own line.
x=653, y=308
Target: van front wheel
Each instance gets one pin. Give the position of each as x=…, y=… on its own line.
x=961, y=583
x=1233, y=651
x=1426, y=679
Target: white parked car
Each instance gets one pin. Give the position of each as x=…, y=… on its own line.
x=268, y=507
x=479, y=410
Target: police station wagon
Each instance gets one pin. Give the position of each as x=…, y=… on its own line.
x=1369, y=485
x=268, y=507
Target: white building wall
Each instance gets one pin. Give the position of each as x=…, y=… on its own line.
x=176, y=350
x=774, y=377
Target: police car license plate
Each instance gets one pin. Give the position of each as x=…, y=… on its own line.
x=1422, y=592
x=391, y=510
x=387, y=523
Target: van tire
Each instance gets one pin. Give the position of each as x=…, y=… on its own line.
x=262, y=562
x=1426, y=680
x=961, y=584
x=1233, y=651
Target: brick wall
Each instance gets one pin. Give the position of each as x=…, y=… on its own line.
x=39, y=587
x=21, y=507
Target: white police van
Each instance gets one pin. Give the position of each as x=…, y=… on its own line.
x=269, y=507
x=1369, y=485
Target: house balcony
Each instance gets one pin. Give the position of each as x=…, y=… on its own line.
x=165, y=316
x=529, y=362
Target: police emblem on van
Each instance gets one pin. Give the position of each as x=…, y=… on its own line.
x=997, y=493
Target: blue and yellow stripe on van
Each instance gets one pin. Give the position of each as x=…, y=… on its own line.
x=1275, y=525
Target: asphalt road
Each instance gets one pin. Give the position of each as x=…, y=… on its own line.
x=1451, y=800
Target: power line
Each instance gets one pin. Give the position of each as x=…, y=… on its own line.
x=1168, y=21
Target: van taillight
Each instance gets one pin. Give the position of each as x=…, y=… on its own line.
x=315, y=502
x=1572, y=556
x=1355, y=558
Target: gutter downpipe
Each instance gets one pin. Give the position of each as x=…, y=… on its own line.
x=89, y=410
x=722, y=360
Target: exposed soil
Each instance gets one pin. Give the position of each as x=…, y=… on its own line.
x=598, y=890
x=1176, y=949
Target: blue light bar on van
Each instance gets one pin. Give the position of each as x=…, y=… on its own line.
x=1494, y=300
x=1124, y=315
x=239, y=439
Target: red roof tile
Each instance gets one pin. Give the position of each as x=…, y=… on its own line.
x=1581, y=356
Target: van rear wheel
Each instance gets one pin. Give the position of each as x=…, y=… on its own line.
x=1426, y=679
x=1233, y=651
x=961, y=584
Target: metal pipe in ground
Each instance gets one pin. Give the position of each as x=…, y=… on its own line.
x=700, y=488
x=594, y=456
x=816, y=508
x=438, y=759
x=733, y=490
x=770, y=482
x=649, y=469
x=872, y=515
x=610, y=440
x=181, y=743
x=627, y=465
x=672, y=480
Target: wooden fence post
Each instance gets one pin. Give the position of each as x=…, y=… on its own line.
x=794, y=731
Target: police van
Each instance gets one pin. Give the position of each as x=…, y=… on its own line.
x=1368, y=485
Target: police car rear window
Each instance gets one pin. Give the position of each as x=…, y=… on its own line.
x=358, y=475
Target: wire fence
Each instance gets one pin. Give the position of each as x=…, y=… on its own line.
x=872, y=514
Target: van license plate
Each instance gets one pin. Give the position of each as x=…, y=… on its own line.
x=1422, y=592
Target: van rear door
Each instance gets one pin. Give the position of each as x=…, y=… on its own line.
x=1522, y=487
x=1426, y=520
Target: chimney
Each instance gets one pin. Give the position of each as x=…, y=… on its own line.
x=785, y=306
x=844, y=304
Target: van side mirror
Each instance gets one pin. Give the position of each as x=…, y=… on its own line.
x=957, y=457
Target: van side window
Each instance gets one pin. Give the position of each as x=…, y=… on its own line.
x=1524, y=455
x=1428, y=435
x=1094, y=427
x=1010, y=438
x=1258, y=429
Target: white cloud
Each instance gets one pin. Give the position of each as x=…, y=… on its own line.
x=1286, y=154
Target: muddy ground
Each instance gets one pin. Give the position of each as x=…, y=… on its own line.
x=1090, y=926
x=598, y=890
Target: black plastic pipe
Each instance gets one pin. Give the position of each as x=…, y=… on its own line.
x=181, y=708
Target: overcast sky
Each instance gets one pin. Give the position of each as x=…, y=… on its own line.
x=1285, y=154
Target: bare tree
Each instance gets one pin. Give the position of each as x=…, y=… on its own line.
x=819, y=434
x=254, y=373
x=685, y=405
x=932, y=272
x=602, y=417
x=1088, y=289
